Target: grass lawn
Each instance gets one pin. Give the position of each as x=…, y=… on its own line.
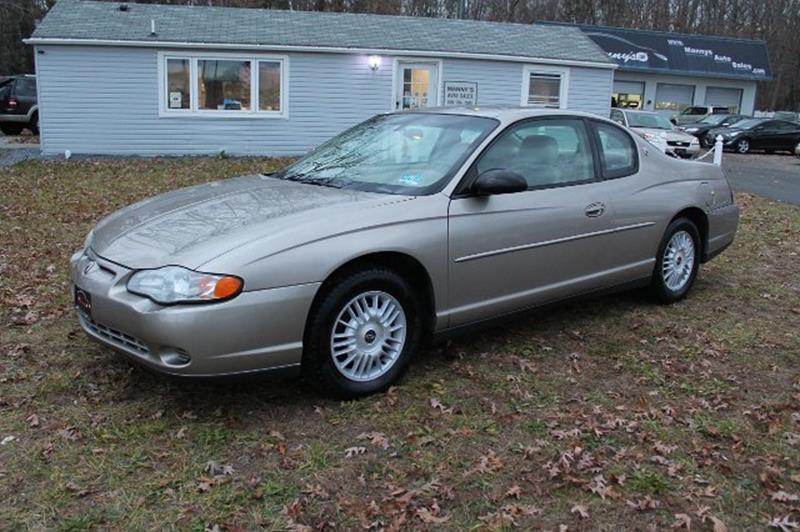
x=613, y=413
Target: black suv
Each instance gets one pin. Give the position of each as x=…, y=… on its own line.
x=18, y=105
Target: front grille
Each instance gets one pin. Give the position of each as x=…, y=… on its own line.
x=114, y=336
x=677, y=143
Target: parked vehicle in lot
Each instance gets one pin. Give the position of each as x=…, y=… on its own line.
x=659, y=131
x=791, y=116
x=406, y=226
x=696, y=113
x=758, y=134
x=18, y=105
x=797, y=150
x=699, y=129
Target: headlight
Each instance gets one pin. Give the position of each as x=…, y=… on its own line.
x=175, y=284
x=692, y=129
x=87, y=243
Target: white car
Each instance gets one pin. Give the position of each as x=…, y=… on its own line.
x=659, y=131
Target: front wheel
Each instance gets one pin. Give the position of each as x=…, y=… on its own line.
x=677, y=261
x=743, y=146
x=361, y=333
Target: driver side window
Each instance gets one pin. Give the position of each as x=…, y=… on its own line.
x=545, y=153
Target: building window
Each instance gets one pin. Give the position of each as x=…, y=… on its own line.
x=225, y=85
x=178, y=81
x=545, y=87
x=269, y=85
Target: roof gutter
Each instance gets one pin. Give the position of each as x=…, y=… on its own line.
x=318, y=49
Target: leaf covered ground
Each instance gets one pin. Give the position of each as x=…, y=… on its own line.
x=607, y=414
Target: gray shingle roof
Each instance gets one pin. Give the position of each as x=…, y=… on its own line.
x=85, y=19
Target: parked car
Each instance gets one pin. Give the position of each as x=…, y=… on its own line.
x=699, y=129
x=19, y=108
x=797, y=150
x=791, y=116
x=758, y=134
x=659, y=131
x=697, y=112
x=409, y=225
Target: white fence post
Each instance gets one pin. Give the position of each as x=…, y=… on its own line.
x=718, y=151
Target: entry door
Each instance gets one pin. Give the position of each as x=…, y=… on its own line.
x=512, y=251
x=417, y=86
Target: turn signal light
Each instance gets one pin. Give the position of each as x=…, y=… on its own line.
x=227, y=287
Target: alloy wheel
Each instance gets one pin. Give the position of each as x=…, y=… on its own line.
x=678, y=262
x=368, y=336
x=743, y=146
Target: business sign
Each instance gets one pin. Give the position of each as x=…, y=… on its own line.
x=460, y=93
x=683, y=54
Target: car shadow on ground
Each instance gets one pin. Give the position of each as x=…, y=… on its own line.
x=265, y=393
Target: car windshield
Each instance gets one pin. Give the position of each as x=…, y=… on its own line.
x=749, y=123
x=404, y=153
x=717, y=119
x=652, y=121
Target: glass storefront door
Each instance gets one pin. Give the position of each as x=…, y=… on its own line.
x=417, y=86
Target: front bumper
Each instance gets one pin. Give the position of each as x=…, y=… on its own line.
x=257, y=330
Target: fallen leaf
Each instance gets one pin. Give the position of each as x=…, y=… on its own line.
x=514, y=491
x=784, y=523
x=353, y=451
x=782, y=496
x=581, y=509
x=682, y=521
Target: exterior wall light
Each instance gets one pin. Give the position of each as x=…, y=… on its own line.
x=374, y=62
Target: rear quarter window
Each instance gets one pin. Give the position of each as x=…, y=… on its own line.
x=618, y=154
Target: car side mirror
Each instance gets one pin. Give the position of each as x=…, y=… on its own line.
x=499, y=181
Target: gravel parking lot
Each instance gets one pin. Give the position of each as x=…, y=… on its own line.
x=776, y=177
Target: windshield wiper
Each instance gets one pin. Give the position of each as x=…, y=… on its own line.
x=316, y=180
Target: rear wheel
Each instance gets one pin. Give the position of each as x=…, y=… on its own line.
x=361, y=333
x=11, y=129
x=743, y=146
x=34, y=124
x=677, y=261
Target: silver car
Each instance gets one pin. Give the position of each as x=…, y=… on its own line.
x=408, y=226
x=658, y=131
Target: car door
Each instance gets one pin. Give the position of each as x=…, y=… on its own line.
x=764, y=135
x=786, y=134
x=512, y=251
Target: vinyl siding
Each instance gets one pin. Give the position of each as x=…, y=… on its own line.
x=104, y=100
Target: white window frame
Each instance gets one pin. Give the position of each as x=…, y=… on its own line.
x=194, y=109
x=563, y=89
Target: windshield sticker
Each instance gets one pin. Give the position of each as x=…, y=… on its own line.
x=410, y=179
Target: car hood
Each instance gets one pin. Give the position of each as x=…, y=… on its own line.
x=193, y=225
x=666, y=135
x=698, y=125
x=723, y=131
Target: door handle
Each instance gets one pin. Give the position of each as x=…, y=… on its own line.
x=593, y=210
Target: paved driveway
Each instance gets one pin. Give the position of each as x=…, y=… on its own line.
x=12, y=152
x=773, y=176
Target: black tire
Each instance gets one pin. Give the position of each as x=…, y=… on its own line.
x=33, y=126
x=658, y=285
x=318, y=365
x=742, y=146
x=11, y=129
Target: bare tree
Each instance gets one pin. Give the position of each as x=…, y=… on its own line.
x=775, y=21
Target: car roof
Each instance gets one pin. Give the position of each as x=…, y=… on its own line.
x=503, y=113
x=651, y=113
